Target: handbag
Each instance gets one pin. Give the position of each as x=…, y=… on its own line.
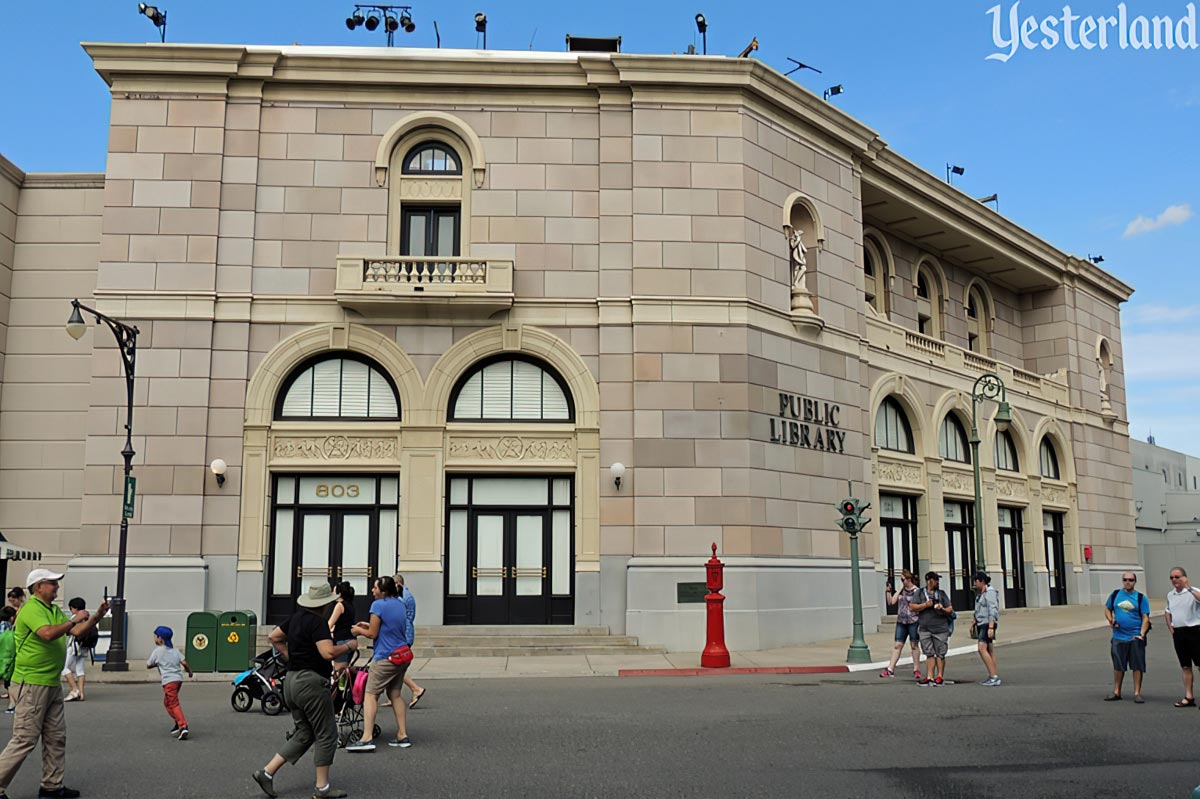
x=974, y=632
x=401, y=655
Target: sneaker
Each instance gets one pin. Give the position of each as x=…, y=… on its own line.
x=402, y=743
x=988, y=681
x=183, y=734
x=995, y=681
x=71, y=697
x=265, y=782
x=174, y=731
x=924, y=683
x=10, y=710
x=887, y=673
x=361, y=746
x=916, y=674
x=937, y=682
x=329, y=793
x=62, y=792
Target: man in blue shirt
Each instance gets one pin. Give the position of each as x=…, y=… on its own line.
x=1128, y=613
x=410, y=605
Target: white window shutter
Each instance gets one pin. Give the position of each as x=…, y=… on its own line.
x=527, y=390
x=327, y=379
x=356, y=377
x=470, y=398
x=497, y=391
x=298, y=401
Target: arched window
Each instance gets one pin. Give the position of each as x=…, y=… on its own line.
x=875, y=277
x=338, y=386
x=511, y=389
x=1048, y=460
x=432, y=158
x=892, y=430
x=976, y=322
x=1006, y=453
x=929, y=304
x=429, y=201
x=952, y=440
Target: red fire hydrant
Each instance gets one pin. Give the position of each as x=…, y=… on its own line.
x=715, y=655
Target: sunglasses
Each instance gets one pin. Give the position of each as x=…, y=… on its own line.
x=1129, y=580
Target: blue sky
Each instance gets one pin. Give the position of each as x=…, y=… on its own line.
x=1094, y=151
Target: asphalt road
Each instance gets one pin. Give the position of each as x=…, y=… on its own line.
x=1043, y=733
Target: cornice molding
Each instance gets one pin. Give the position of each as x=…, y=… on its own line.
x=63, y=180
x=11, y=171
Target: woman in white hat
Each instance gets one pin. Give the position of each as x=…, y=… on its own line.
x=306, y=643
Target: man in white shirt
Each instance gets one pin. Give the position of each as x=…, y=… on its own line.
x=1183, y=620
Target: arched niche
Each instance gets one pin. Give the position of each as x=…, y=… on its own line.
x=801, y=213
x=400, y=131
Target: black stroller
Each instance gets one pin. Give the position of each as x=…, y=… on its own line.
x=349, y=687
x=262, y=682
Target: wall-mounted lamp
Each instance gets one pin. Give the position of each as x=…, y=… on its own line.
x=617, y=470
x=834, y=91
x=218, y=468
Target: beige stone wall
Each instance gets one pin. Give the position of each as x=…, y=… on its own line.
x=10, y=188
x=44, y=406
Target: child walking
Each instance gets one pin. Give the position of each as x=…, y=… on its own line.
x=171, y=666
x=8, y=652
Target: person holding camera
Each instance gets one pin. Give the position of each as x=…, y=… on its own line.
x=906, y=623
x=987, y=616
x=933, y=627
x=1183, y=621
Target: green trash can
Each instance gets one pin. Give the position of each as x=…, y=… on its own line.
x=236, y=633
x=201, y=646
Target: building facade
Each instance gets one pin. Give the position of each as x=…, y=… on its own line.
x=1166, y=493
x=421, y=302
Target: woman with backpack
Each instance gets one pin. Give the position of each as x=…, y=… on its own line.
x=987, y=616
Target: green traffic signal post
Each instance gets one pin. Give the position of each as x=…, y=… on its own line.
x=852, y=522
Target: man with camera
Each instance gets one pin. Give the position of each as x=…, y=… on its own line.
x=933, y=627
x=1183, y=620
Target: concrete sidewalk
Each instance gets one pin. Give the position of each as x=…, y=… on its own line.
x=1016, y=626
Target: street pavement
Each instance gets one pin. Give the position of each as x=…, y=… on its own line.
x=1044, y=733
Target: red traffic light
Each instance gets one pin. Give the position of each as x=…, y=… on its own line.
x=847, y=507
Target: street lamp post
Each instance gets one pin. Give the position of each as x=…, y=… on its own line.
x=988, y=386
x=126, y=336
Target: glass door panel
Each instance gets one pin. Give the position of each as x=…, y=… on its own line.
x=530, y=544
x=314, y=549
x=355, y=567
x=489, y=555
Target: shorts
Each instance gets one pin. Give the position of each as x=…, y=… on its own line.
x=983, y=633
x=1129, y=656
x=383, y=674
x=75, y=663
x=1187, y=646
x=934, y=645
x=346, y=657
x=907, y=632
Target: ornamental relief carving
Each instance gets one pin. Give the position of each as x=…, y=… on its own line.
x=1013, y=489
x=411, y=189
x=900, y=474
x=957, y=483
x=334, y=448
x=1053, y=495
x=512, y=448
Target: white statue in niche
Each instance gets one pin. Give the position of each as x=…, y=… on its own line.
x=799, y=262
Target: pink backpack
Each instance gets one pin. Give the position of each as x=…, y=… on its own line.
x=358, y=688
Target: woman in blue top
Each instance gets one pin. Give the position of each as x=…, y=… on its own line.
x=389, y=628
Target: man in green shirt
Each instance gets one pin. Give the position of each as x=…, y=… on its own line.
x=41, y=646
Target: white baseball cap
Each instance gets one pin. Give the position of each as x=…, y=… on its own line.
x=38, y=575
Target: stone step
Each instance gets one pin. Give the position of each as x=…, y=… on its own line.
x=527, y=651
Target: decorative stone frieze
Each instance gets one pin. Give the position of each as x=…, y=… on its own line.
x=512, y=449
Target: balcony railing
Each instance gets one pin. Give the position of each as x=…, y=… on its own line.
x=911, y=346
x=375, y=284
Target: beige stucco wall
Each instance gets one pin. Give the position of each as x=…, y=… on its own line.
x=44, y=404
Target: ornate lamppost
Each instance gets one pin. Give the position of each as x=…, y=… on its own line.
x=988, y=386
x=126, y=336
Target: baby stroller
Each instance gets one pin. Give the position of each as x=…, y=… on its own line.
x=263, y=682
x=349, y=688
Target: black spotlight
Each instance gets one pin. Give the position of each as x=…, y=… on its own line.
x=390, y=24
x=481, y=22
x=407, y=23
x=372, y=22
x=354, y=20
x=834, y=91
x=701, y=23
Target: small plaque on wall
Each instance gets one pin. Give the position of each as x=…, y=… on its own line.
x=690, y=593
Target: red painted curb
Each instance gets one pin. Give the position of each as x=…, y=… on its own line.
x=743, y=670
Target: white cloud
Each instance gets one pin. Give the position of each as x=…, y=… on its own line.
x=1173, y=215
x=1161, y=356
x=1159, y=314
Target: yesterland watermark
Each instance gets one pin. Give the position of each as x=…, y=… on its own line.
x=1011, y=31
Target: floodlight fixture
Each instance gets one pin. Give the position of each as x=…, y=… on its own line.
x=372, y=22
x=953, y=169
x=1096, y=259
x=481, y=26
x=834, y=91
x=407, y=23
x=702, y=26
x=157, y=16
